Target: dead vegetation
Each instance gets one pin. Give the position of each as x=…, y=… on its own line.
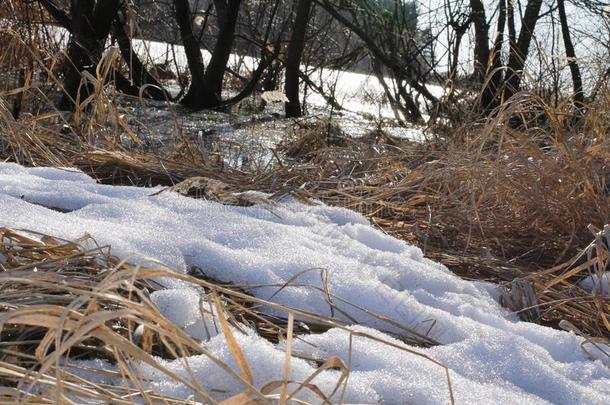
x=557, y=295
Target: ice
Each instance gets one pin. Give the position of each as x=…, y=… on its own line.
x=492, y=356
x=597, y=284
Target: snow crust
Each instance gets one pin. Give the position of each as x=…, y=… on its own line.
x=492, y=356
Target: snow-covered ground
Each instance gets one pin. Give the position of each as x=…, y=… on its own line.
x=357, y=92
x=492, y=356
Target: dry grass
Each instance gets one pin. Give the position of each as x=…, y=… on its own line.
x=496, y=203
x=524, y=196
x=555, y=296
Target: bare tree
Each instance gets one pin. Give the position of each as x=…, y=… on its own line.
x=390, y=38
x=90, y=26
x=481, y=43
x=205, y=90
x=579, y=97
x=227, y=12
x=293, y=58
x=519, y=52
x=196, y=93
x=494, y=75
x=89, y=23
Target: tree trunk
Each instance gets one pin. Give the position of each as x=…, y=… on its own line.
x=195, y=95
x=481, y=46
x=227, y=13
x=57, y=13
x=90, y=22
x=510, y=20
x=518, y=53
x=139, y=74
x=495, y=75
x=82, y=37
x=579, y=97
x=293, y=58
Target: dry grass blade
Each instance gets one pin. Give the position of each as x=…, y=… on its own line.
x=284, y=392
x=239, y=357
x=558, y=295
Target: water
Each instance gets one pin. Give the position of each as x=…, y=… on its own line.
x=247, y=136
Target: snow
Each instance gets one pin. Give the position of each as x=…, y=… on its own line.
x=491, y=355
x=187, y=310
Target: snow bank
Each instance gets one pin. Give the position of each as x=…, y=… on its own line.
x=492, y=356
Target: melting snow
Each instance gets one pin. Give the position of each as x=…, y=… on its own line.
x=492, y=356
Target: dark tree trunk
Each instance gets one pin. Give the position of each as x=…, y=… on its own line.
x=227, y=13
x=293, y=58
x=82, y=39
x=481, y=43
x=140, y=76
x=518, y=53
x=90, y=23
x=18, y=100
x=579, y=97
x=495, y=74
x=57, y=13
x=205, y=90
x=195, y=95
x=510, y=20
